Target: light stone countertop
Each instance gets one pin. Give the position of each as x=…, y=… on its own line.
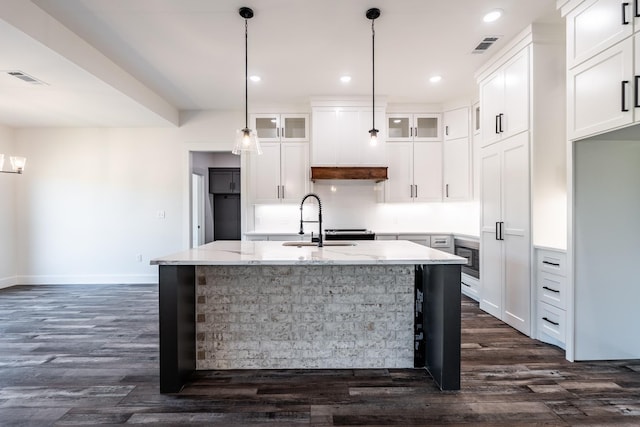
x=274, y=253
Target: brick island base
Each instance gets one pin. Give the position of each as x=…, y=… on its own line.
x=296, y=317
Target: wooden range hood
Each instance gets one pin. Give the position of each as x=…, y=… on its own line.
x=374, y=173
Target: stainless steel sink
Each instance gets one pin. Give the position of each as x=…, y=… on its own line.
x=300, y=244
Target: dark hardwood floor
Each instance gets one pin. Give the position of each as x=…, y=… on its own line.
x=87, y=355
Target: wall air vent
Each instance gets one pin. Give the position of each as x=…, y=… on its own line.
x=25, y=77
x=485, y=44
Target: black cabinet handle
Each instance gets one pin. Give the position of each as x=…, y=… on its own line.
x=624, y=13
x=624, y=95
x=447, y=190
x=446, y=130
x=636, y=93
x=549, y=289
x=416, y=191
x=550, y=321
x=500, y=116
x=497, y=127
x=468, y=286
x=635, y=8
x=555, y=264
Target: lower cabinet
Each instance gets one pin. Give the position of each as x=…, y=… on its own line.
x=551, y=292
x=470, y=286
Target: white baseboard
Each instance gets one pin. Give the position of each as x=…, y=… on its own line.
x=87, y=279
x=6, y=282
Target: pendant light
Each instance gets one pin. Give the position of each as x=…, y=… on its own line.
x=246, y=139
x=373, y=14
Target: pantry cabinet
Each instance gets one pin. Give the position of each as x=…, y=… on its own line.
x=523, y=146
x=281, y=173
x=551, y=292
x=415, y=172
x=505, y=232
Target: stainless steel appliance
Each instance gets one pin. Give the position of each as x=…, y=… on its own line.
x=470, y=250
x=349, y=234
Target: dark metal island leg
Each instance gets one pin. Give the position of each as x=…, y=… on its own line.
x=177, y=304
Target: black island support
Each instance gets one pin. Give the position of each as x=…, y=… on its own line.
x=440, y=341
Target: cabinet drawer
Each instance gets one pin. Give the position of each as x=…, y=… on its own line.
x=552, y=289
x=440, y=241
x=470, y=286
x=551, y=324
x=552, y=262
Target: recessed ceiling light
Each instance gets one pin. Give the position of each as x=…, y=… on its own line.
x=345, y=79
x=492, y=16
x=255, y=78
x=435, y=79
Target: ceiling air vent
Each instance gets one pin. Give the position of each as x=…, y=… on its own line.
x=25, y=77
x=485, y=44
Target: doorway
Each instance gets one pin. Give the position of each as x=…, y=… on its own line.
x=203, y=198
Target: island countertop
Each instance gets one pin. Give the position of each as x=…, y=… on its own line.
x=275, y=253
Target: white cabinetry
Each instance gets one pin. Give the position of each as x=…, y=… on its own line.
x=415, y=172
x=523, y=143
x=603, y=61
x=414, y=127
x=456, y=155
x=281, y=173
x=281, y=127
x=505, y=232
x=340, y=137
x=551, y=290
x=504, y=100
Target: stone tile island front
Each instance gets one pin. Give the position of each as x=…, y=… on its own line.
x=248, y=305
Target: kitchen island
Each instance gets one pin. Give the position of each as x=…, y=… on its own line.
x=274, y=305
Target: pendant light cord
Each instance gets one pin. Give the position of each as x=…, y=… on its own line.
x=246, y=74
x=373, y=72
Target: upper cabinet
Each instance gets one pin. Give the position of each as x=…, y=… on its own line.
x=281, y=127
x=340, y=136
x=415, y=172
x=456, y=155
x=281, y=173
x=504, y=99
x=414, y=127
x=603, y=61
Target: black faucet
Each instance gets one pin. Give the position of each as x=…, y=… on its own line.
x=319, y=221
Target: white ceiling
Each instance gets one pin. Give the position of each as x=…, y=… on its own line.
x=138, y=63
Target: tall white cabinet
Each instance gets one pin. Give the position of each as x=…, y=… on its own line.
x=522, y=129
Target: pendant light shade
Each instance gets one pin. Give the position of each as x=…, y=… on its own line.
x=373, y=14
x=246, y=139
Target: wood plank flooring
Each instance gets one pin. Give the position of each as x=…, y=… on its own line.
x=88, y=355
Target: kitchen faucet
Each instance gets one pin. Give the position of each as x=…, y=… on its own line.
x=319, y=221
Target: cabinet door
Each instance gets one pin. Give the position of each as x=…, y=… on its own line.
x=325, y=136
x=457, y=169
x=349, y=138
x=517, y=244
x=398, y=188
x=595, y=26
x=265, y=173
x=427, y=127
x=399, y=127
x=597, y=92
x=491, y=256
x=294, y=171
x=492, y=102
x=294, y=127
x=221, y=181
x=456, y=123
x=427, y=171
x=516, y=95
x=267, y=126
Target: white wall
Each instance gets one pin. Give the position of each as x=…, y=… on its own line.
x=8, y=211
x=90, y=198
